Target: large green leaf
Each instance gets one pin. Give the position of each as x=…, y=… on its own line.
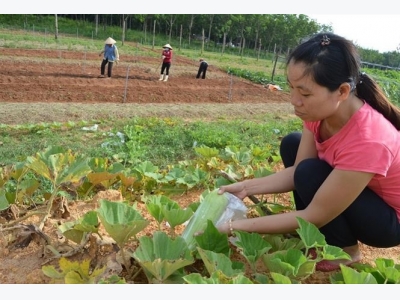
x=211, y=239
x=388, y=269
x=310, y=234
x=252, y=246
x=332, y=252
x=39, y=167
x=76, y=169
x=351, y=276
x=162, y=256
x=291, y=263
x=68, y=230
x=218, y=261
x=58, y=167
x=120, y=220
x=3, y=200
x=155, y=204
x=279, y=242
x=206, y=152
x=216, y=278
x=176, y=216
x=280, y=279
x=75, y=230
x=19, y=170
x=89, y=222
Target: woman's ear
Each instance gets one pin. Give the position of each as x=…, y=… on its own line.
x=344, y=90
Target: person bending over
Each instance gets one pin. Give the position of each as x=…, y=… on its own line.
x=202, y=69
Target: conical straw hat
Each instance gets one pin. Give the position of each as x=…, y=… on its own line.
x=167, y=46
x=110, y=41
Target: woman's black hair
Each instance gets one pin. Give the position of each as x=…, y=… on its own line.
x=332, y=60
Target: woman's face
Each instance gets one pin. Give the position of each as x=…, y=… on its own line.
x=311, y=101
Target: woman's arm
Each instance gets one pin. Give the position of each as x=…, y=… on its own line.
x=338, y=191
x=116, y=53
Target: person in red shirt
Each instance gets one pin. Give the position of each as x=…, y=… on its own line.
x=166, y=63
x=343, y=169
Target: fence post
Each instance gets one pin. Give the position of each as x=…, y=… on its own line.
x=230, y=89
x=273, y=70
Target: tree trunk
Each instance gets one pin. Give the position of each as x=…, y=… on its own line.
x=190, y=27
x=97, y=25
x=56, y=27
x=154, y=33
x=180, y=38
x=123, y=28
x=223, y=43
x=255, y=42
x=242, y=45
x=202, y=43
x=145, y=30
x=170, y=28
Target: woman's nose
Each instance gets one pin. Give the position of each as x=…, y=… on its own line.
x=294, y=100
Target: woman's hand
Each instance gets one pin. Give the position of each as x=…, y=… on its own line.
x=224, y=228
x=238, y=189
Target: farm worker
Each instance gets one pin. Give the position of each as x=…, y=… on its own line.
x=166, y=62
x=111, y=55
x=202, y=69
x=344, y=168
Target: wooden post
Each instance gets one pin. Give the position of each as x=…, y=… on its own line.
x=202, y=44
x=273, y=70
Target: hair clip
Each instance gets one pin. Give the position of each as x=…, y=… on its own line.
x=362, y=75
x=325, y=41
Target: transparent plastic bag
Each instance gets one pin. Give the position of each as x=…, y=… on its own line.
x=235, y=210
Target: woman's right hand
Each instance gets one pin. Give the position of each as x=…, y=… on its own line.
x=238, y=189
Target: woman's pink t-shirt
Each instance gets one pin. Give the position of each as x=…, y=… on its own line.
x=367, y=143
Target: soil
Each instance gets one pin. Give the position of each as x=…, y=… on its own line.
x=54, y=85
x=44, y=85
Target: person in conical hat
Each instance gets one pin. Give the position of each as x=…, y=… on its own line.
x=110, y=41
x=111, y=55
x=166, y=62
x=167, y=46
